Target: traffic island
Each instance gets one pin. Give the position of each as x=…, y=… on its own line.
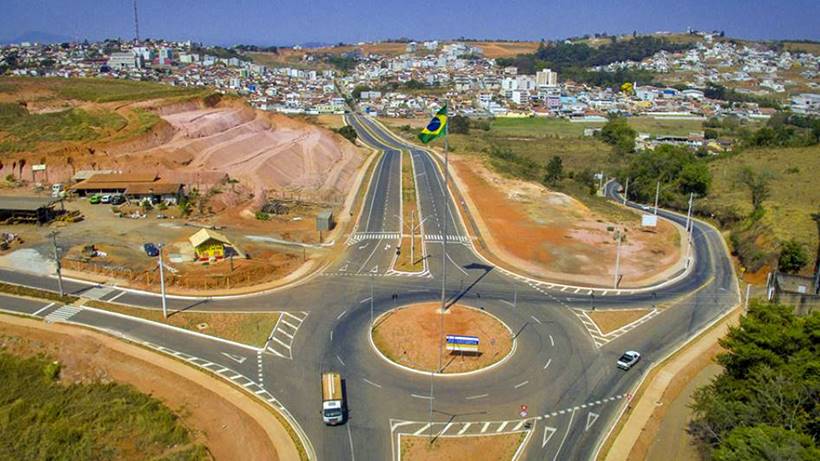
x=415, y=337
x=446, y=448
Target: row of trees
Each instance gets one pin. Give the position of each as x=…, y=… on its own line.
x=764, y=405
x=572, y=60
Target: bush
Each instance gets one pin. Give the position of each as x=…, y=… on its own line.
x=349, y=133
x=793, y=256
x=262, y=216
x=52, y=370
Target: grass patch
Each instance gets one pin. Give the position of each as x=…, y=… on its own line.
x=246, y=328
x=100, y=90
x=44, y=419
x=406, y=261
x=23, y=130
x=18, y=290
x=794, y=197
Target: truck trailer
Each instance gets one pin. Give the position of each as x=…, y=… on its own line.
x=333, y=405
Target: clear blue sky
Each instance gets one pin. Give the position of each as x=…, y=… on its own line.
x=275, y=22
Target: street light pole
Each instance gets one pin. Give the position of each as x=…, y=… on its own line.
x=53, y=236
x=162, y=283
x=689, y=211
x=412, y=238
x=657, y=193
x=371, y=301
x=617, y=261
x=626, y=191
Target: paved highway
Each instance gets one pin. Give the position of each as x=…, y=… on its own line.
x=563, y=370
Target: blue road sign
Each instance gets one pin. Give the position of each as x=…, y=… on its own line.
x=460, y=339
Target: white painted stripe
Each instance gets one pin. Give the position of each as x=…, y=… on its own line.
x=237, y=376
x=548, y=364
x=371, y=383
x=341, y=315
x=484, y=429
x=280, y=342
x=293, y=317
x=519, y=425
x=521, y=384
x=474, y=397
x=261, y=391
x=285, y=333
x=38, y=311
x=249, y=384
x=423, y=428
x=552, y=342
x=502, y=426
x=464, y=429
x=117, y=296
x=448, y=426
x=426, y=397
x=294, y=327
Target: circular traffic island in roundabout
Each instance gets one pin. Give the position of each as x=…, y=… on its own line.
x=415, y=337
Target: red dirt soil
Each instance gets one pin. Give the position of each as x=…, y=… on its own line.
x=556, y=236
x=409, y=336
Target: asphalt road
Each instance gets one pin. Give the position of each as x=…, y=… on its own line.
x=562, y=370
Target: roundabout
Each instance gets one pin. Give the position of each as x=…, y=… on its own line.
x=414, y=337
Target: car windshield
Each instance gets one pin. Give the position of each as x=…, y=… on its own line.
x=333, y=413
x=625, y=358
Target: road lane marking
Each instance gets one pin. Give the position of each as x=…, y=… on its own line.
x=290, y=324
x=280, y=342
x=533, y=317
x=552, y=342
x=548, y=433
x=423, y=428
x=502, y=426
x=285, y=333
x=591, y=418
x=519, y=425
x=448, y=426
x=38, y=311
x=371, y=383
x=340, y=360
x=365, y=300
x=479, y=396
x=236, y=358
x=484, y=428
x=350, y=439
x=426, y=397
x=464, y=429
x=557, y=452
x=331, y=335
x=521, y=384
x=338, y=317
x=548, y=364
x=117, y=296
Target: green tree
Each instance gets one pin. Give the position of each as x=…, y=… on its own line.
x=695, y=178
x=459, y=124
x=793, y=256
x=619, y=134
x=764, y=442
x=555, y=170
x=349, y=133
x=758, y=184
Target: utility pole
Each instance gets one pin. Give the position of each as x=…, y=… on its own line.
x=746, y=306
x=162, y=283
x=626, y=191
x=657, y=193
x=53, y=236
x=515, y=295
x=617, y=260
x=689, y=211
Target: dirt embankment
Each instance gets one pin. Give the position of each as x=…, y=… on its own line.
x=559, y=238
x=232, y=424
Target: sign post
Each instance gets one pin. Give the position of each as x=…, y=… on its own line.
x=460, y=343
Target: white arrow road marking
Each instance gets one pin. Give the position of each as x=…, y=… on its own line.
x=343, y=268
x=591, y=418
x=386, y=247
x=548, y=433
x=235, y=358
x=374, y=270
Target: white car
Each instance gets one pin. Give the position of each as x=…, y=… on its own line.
x=646, y=207
x=629, y=359
x=105, y=198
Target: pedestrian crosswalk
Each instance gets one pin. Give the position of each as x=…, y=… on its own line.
x=361, y=236
x=62, y=314
x=450, y=238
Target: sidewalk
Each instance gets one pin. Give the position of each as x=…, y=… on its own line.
x=638, y=426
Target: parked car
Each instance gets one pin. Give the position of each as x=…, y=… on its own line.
x=95, y=199
x=117, y=199
x=151, y=250
x=105, y=198
x=629, y=359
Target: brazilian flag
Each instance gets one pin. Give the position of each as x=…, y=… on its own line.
x=436, y=127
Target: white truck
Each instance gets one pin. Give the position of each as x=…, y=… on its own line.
x=333, y=405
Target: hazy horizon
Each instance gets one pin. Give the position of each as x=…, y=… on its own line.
x=285, y=23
